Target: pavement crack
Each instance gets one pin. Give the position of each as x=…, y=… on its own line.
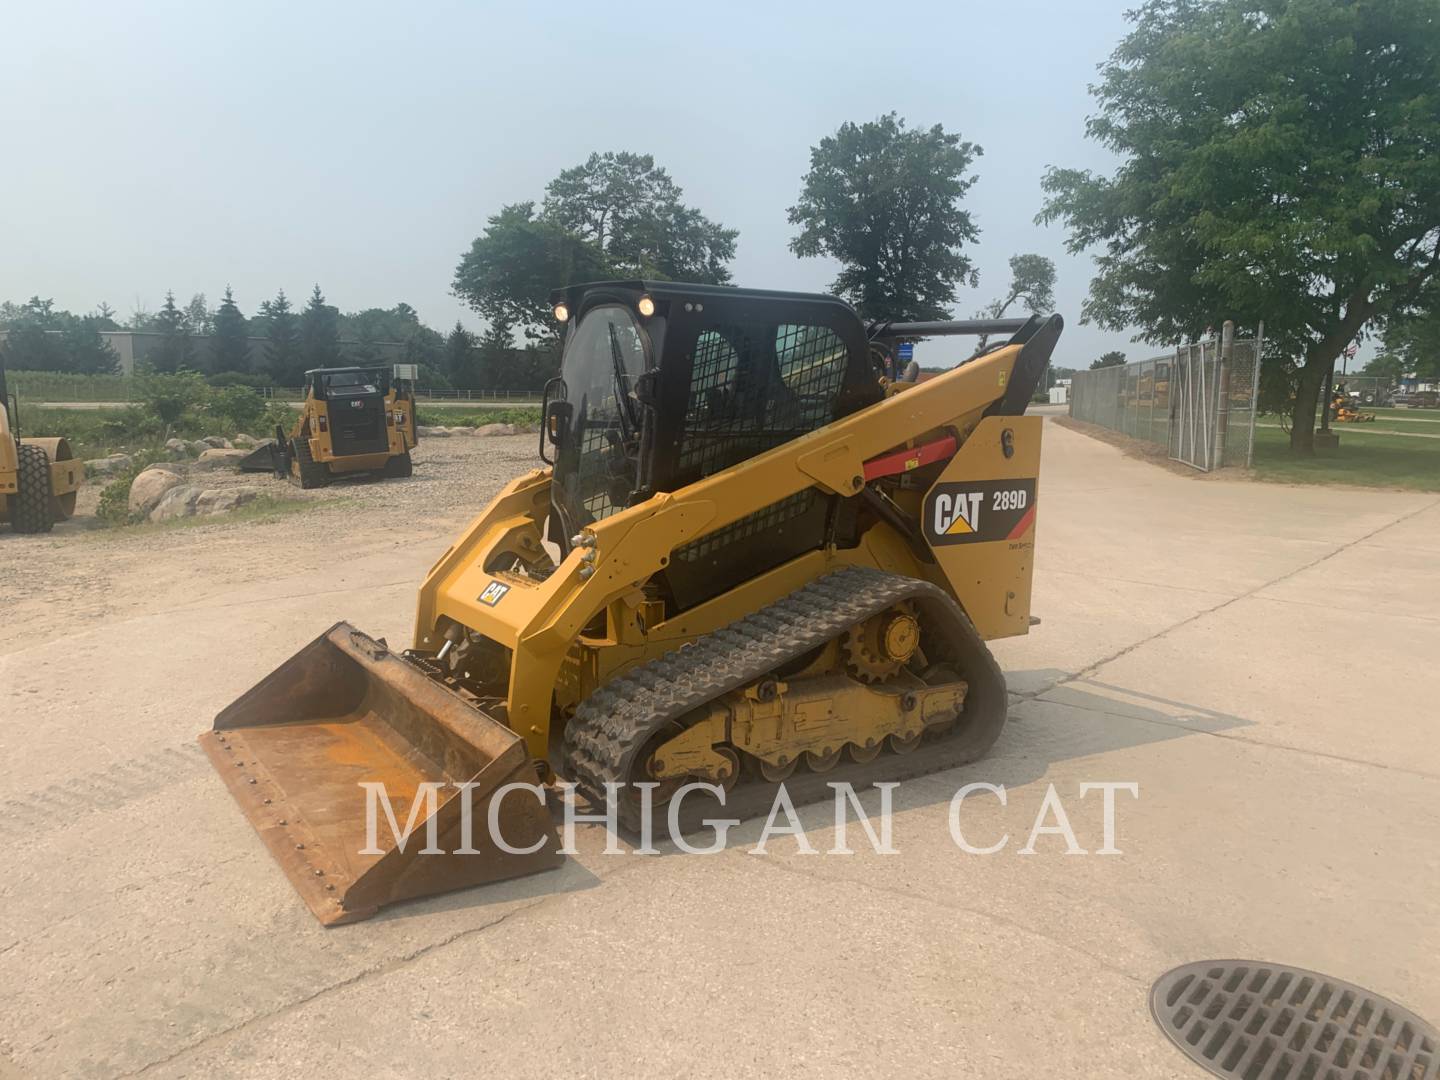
x=384, y=968
x=1093, y=668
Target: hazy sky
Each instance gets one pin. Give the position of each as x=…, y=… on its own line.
x=362, y=146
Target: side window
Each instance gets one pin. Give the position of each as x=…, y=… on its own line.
x=721, y=419
x=712, y=377
x=812, y=361
x=755, y=384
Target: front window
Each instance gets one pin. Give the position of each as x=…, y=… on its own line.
x=596, y=463
x=353, y=382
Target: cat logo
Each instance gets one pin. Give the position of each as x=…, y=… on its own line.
x=957, y=514
x=494, y=593
x=979, y=511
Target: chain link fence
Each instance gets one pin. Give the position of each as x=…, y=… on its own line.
x=1198, y=402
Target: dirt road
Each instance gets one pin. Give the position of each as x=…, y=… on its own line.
x=82, y=575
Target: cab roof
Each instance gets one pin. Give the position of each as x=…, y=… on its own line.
x=682, y=290
x=345, y=370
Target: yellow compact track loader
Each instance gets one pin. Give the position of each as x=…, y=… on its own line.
x=749, y=560
x=38, y=477
x=353, y=420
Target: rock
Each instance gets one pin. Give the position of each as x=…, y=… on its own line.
x=199, y=446
x=223, y=500
x=192, y=501
x=178, y=502
x=177, y=448
x=214, y=458
x=149, y=488
x=432, y=432
x=108, y=466
x=243, y=440
x=217, y=443
x=497, y=429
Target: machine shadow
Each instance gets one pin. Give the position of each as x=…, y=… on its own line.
x=1068, y=719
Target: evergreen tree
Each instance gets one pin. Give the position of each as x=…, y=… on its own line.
x=230, y=348
x=319, y=333
x=461, y=361
x=282, y=344
x=175, y=351
x=198, y=317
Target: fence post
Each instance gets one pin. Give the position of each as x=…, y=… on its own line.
x=1258, y=346
x=1222, y=410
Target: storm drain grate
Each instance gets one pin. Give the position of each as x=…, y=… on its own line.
x=1254, y=1021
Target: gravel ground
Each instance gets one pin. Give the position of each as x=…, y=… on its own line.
x=51, y=584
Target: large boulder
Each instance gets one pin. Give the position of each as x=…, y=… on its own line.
x=245, y=441
x=199, y=446
x=108, y=466
x=216, y=442
x=178, y=502
x=219, y=459
x=432, y=432
x=497, y=429
x=147, y=489
x=223, y=500
x=177, y=448
x=192, y=501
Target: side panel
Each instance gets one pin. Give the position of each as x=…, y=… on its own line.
x=979, y=520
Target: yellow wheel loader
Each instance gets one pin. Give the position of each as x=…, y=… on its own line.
x=39, y=478
x=353, y=420
x=749, y=560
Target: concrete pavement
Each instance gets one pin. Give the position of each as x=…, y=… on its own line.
x=1258, y=659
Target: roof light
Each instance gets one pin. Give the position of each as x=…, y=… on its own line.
x=561, y=313
x=646, y=306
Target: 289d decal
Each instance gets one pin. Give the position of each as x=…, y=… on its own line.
x=979, y=512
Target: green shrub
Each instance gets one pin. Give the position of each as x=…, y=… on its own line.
x=130, y=424
x=172, y=398
x=238, y=406
x=114, y=508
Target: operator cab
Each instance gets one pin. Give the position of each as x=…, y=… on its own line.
x=327, y=383
x=664, y=383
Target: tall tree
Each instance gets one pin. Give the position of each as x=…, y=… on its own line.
x=282, y=341
x=460, y=359
x=1113, y=358
x=1281, y=161
x=43, y=338
x=1412, y=337
x=884, y=201
x=319, y=332
x=230, y=347
x=198, y=317
x=1032, y=281
x=630, y=210
x=175, y=351
x=510, y=270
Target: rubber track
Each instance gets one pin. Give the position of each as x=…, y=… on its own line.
x=611, y=726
